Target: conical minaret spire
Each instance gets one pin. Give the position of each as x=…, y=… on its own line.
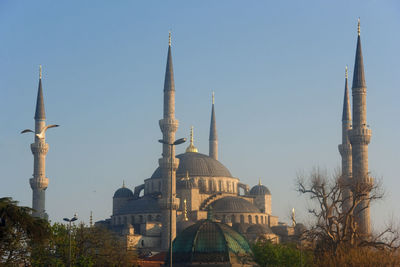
x=345, y=147
x=213, y=141
x=168, y=126
x=360, y=136
x=40, y=114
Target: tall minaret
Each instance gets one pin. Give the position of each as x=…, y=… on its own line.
x=213, y=145
x=360, y=136
x=168, y=126
x=345, y=148
x=39, y=149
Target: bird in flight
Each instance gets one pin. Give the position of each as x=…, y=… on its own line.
x=41, y=134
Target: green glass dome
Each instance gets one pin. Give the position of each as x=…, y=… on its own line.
x=210, y=242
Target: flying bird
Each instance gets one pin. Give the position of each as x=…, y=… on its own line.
x=41, y=134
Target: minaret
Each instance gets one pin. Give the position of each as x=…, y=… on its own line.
x=213, y=145
x=168, y=126
x=345, y=148
x=360, y=136
x=39, y=181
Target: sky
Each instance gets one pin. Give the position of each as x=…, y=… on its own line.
x=276, y=67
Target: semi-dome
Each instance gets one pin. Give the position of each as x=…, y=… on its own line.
x=259, y=190
x=123, y=192
x=209, y=242
x=197, y=164
x=259, y=229
x=233, y=204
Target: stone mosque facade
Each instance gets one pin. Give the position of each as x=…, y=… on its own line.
x=200, y=183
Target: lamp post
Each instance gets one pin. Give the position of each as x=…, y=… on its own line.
x=177, y=142
x=70, y=221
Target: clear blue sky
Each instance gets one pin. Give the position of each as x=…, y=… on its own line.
x=277, y=69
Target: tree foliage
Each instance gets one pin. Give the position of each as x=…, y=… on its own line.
x=18, y=231
x=268, y=254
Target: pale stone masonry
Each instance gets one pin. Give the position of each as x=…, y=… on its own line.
x=345, y=148
x=39, y=181
x=168, y=126
x=355, y=153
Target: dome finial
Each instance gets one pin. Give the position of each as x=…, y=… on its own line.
x=169, y=38
x=359, y=28
x=123, y=183
x=191, y=147
x=185, y=217
x=40, y=71
x=259, y=181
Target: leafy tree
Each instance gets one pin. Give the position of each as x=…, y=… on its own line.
x=18, y=231
x=268, y=254
x=90, y=246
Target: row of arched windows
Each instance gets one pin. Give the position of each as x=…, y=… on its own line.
x=251, y=219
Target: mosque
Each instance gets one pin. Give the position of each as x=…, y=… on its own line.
x=179, y=195
x=200, y=182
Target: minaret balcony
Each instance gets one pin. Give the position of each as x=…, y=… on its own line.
x=40, y=148
x=360, y=135
x=168, y=125
x=39, y=182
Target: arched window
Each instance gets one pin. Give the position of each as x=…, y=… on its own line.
x=220, y=185
x=210, y=185
x=262, y=219
x=149, y=218
x=250, y=220
x=241, y=219
x=256, y=219
x=125, y=220
x=233, y=218
x=158, y=218
x=224, y=218
x=140, y=218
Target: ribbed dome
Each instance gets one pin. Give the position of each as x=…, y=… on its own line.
x=123, y=192
x=209, y=242
x=234, y=204
x=197, y=164
x=259, y=189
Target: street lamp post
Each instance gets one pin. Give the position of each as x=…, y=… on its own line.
x=177, y=142
x=70, y=221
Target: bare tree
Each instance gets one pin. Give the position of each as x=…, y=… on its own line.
x=335, y=226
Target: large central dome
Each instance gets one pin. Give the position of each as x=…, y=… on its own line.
x=197, y=164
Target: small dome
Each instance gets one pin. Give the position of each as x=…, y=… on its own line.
x=197, y=164
x=234, y=204
x=209, y=242
x=259, y=190
x=123, y=192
